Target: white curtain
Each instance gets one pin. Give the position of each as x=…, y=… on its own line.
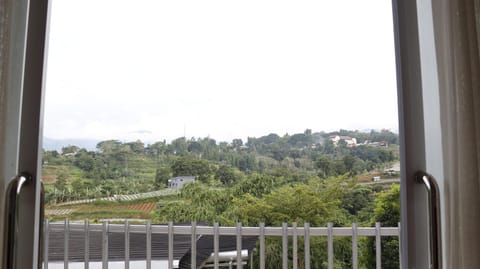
x=460, y=100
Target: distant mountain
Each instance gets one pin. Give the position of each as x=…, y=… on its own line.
x=393, y=130
x=57, y=144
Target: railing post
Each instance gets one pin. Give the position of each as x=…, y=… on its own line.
x=46, y=237
x=307, y=245
x=295, y=246
x=86, y=259
x=399, y=246
x=193, y=260
x=378, y=246
x=239, y=245
x=127, y=245
x=262, y=245
x=65, y=242
x=170, y=245
x=105, y=245
x=330, y=245
x=251, y=260
x=148, y=234
x=284, y=245
x=354, y=246
x=215, y=245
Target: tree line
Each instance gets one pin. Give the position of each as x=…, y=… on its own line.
x=117, y=167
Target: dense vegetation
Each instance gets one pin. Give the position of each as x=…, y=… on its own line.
x=124, y=168
x=271, y=179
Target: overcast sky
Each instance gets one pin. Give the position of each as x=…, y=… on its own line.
x=155, y=70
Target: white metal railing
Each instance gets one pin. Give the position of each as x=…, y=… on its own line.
x=194, y=231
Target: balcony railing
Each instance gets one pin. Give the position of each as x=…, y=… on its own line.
x=192, y=246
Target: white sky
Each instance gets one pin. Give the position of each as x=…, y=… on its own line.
x=226, y=69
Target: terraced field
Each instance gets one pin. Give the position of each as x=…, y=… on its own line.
x=140, y=210
x=144, y=207
x=129, y=197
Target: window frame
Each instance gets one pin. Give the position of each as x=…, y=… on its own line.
x=26, y=142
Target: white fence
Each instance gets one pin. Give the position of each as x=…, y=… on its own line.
x=238, y=256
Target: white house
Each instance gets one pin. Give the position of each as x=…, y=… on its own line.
x=351, y=142
x=177, y=182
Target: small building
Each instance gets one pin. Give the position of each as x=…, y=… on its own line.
x=177, y=182
x=376, y=178
x=393, y=171
x=351, y=142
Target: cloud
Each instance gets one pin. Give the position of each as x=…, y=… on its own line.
x=219, y=68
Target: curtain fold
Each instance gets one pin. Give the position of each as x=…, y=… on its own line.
x=461, y=135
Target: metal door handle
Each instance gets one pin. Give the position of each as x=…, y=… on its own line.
x=14, y=190
x=434, y=218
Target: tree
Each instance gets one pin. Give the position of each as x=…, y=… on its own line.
x=237, y=143
x=246, y=163
x=84, y=161
x=187, y=166
x=70, y=150
x=269, y=139
x=298, y=140
x=157, y=148
x=387, y=212
x=61, y=184
x=328, y=146
x=278, y=153
x=387, y=209
x=342, y=143
x=194, y=146
x=325, y=165
x=339, y=167
x=255, y=185
x=162, y=175
x=51, y=157
x=226, y=174
x=295, y=154
x=179, y=146
x=349, y=161
x=199, y=203
x=77, y=188
x=137, y=147
x=357, y=199
x=109, y=146
x=316, y=203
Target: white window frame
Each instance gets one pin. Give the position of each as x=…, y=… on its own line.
x=416, y=94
